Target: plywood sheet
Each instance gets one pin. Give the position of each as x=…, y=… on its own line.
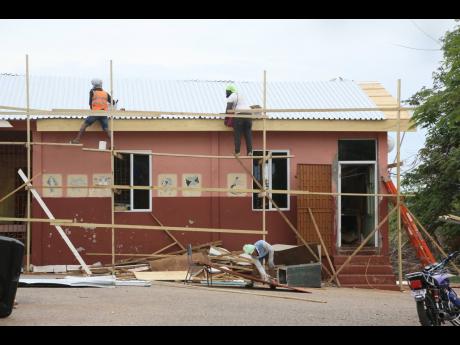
x=163, y=275
x=177, y=263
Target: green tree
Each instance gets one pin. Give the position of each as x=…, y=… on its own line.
x=436, y=180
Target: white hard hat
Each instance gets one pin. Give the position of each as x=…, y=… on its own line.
x=96, y=82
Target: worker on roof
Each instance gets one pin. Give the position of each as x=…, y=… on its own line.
x=241, y=125
x=98, y=100
x=259, y=251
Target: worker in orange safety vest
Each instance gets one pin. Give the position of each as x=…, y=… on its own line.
x=98, y=100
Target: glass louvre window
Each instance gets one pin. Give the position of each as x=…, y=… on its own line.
x=133, y=170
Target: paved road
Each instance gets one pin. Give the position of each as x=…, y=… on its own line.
x=174, y=304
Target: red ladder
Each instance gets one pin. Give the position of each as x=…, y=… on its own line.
x=416, y=239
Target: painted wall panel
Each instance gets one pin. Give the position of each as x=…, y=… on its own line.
x=211, y=209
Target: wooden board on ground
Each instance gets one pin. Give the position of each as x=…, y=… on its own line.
x=165, y=275
x=178, y=263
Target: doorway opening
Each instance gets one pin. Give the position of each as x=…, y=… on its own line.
x=13, y=158
x=357, y=215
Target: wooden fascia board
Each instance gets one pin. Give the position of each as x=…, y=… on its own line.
x=382, y=98
x=187, y=125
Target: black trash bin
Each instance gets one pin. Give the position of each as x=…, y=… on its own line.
x=11, y=254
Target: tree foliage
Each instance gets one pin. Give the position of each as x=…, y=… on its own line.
x=436, y=180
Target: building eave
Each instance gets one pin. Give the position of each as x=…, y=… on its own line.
x=190, y=125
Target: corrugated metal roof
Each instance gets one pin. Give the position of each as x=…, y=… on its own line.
x=190, y=96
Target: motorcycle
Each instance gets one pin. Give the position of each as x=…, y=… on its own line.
x=436, y=301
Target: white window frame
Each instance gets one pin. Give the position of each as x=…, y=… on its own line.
x=131, y=191
x=269, y=206
x=339, y=189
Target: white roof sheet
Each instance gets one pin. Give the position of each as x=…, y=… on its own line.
x=199, y=96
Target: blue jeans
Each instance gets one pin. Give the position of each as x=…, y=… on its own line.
x=102, y=119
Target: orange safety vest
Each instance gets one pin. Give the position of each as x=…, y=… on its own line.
x=100, y=100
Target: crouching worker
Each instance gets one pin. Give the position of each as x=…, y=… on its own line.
x=98, y=100
x=259, y=251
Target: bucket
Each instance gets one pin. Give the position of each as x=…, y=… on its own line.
x=102, y=145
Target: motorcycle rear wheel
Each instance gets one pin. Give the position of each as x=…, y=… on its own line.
x=424, y=316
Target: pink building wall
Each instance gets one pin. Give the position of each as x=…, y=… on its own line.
x=213, y=210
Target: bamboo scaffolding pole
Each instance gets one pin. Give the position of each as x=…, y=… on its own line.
x=29, y=199
x=264, y=149
x=178, y=252
x=454, y=217
x=157, y=113
x=286, y=219
x=153, y=254
x=323, y=245
x=121, y=114
x=70, y=223
x=112, y=165
x=19, y=108
x=219, y=289
x=176, y=241
x=431, y=238
x=59, y=229
x=215, y=189
x=398, y=184
x=19, y=188
x=199, y=246
x=24, y=143
x=255, y=111
x=56, y=144
x=164, y=248
x=199, y=156
x=182, y=154
x=362, y=244
x=131, y=254
x=270, y=156
x=37, y=220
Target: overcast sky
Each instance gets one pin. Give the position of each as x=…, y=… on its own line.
x=360, y=50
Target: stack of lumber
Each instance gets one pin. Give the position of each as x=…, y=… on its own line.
x=153, y=257
x=236, y=261
x=175, y=267
x=175, y=263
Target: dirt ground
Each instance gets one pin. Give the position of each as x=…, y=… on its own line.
x=176, y=304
